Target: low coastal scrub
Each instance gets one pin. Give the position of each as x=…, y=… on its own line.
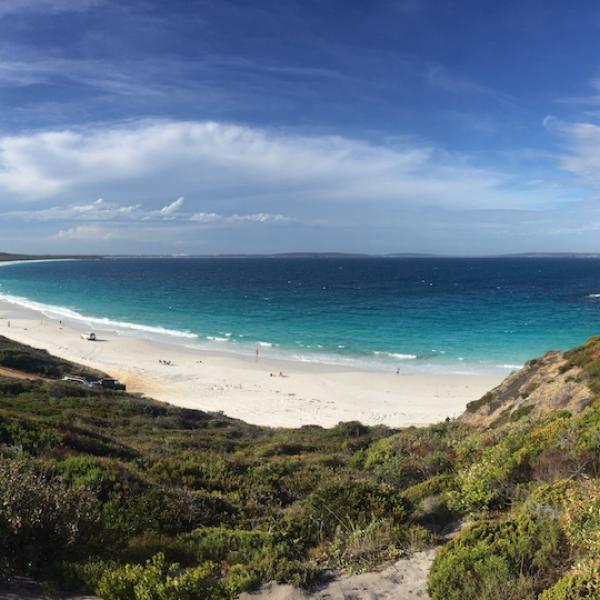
x=123, y=497
x=517, y=557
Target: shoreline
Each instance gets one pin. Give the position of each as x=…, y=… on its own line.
x=222, y=344
x=307, y=393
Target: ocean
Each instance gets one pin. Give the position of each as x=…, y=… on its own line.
x=422, y=314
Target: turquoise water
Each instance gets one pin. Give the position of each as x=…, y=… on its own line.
x=414, y=314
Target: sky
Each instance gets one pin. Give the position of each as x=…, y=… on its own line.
x=463, y=127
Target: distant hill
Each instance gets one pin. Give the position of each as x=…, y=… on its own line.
x=7, y=256
x=550, y=255
x=297, y=255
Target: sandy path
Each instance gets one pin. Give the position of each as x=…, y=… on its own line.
x=406, y=579
x=12, y=373
x=239, y=386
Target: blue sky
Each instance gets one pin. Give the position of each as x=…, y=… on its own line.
x=458, y=127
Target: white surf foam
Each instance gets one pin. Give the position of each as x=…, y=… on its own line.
x=51, y=310
x=396, y=355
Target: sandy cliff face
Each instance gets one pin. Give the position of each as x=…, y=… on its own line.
x=553, y=382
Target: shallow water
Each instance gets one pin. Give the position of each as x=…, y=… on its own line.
x=458, y=315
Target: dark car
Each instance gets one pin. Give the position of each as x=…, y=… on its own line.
x=113, y=384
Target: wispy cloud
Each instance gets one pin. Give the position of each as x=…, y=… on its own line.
x=11, y=7
x=123, y=78
x=441, y=78
x=592, y=99
x=99, y=210
x=170, y=209
x=248, y=167
x=582, y=155
x=86, y=233
x=103, y=211
x=203, y=217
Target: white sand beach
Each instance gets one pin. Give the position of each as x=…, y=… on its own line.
x=241, y=387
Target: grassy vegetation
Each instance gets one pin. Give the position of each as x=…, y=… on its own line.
x=131, y=498
x=32, y=361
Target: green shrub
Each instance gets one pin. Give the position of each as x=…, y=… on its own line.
x=209, y=472
x=361, y=549
x=522, y=411
x=27, y=435
x=39, y=362
x=350, y=505
x=241, y=578
x=488, y=482
x=581, y=583
x=582, y=518
x=493, y=560
x=42, y=520
x=433, y=486
x=232, y=545
x=105, y=477
x=158, y=580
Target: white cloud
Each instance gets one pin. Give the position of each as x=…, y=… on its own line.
x=99, y=210
x=90, y=233
x=247, y=168
x=203, y=217
x=262, y=218
x=582, y=157
x=170, y=209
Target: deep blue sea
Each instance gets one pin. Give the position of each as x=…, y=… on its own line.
x=420, y=314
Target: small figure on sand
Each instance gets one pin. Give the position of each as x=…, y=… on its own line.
x=257, y=351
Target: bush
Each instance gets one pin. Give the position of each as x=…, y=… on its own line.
x=158, y=580
x=430, y=487
x=583, y=582
x=27, y=435
x=241, y=578
x=351, y=505
x=582, y=518
x=231, y=545
x=489, y=481
x=105, y=477
x=497, y=560
x=360, y=549
x=42, y=520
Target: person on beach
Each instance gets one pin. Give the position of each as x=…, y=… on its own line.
x=257, y=352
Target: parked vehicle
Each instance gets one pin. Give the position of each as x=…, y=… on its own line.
x=90, y=336
x=80, y=380
x=106, y=382
x=113, y=384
